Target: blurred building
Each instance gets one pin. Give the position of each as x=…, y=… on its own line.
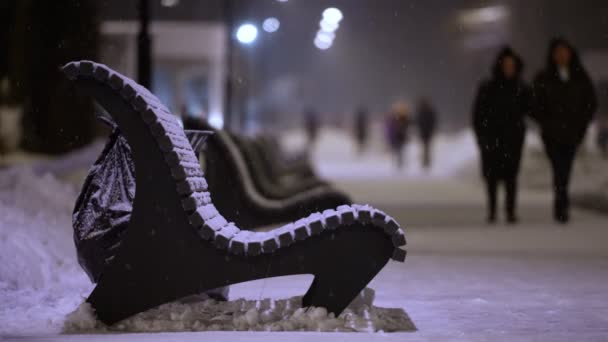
x=188, y=51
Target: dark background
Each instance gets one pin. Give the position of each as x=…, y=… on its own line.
x=384, y=50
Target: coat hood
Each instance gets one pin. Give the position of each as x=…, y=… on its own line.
x=507, y=52
x=576, y=67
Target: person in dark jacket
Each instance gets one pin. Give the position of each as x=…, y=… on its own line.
x=311, y=125
x=498, y=121
x=398, y=123
x=426, y=120
x=564, y=106
x=361, y=129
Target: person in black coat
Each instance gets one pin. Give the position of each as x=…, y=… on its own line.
x=361, y=128
x=426, y=120
x=565, y=102
x=498, y=121
x=398, y=124
x=311, y=125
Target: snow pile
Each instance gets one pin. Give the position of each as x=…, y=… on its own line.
x=40, y=280
x=35, y=229
x=248, y=315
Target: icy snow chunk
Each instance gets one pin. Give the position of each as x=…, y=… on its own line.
x=82, y=319
x=364, y=299
x=251, y=315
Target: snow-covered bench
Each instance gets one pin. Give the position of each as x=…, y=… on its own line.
x=282, y=162
x=178, y=243
x=238, y=188
x=272, y=184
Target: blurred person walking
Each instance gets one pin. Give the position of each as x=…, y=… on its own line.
x=398, y=122
x=501, y=104
x=361, y=128
x=602, y=136
x=311, y=125
x=426, y=119
x=565, y=102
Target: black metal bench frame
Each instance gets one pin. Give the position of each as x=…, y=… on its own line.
x=178, y=244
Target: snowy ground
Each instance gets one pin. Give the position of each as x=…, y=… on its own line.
x=462, y=280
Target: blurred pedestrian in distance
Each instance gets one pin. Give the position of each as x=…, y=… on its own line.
x=602, y=136
x=311, y=125
x=565, y=102
x=361, y=128
x=499, y=109
x=426, y=119
x=397, y=127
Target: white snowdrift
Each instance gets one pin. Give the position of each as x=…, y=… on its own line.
x=40, y=280
x=35, y=229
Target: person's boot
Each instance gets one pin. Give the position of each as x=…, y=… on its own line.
x=491, y=193
x=562, y=216
x=561, y=213
x=491, y=219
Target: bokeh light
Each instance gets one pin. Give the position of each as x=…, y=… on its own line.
x=328, y=26
x=271, y=24
x=327, y=37
x=247, y=33
x=169, y=3
x=332, y=15
x=216, y=120
x=321, y=44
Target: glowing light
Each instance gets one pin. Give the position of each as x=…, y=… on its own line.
x=169, y=3
x=322, y=45
x=216, y=120
x=271, y=25
x=282, y=0
x=328, y=26
x=332, y=15
x=484, y=15
x=247, y=33
x=326, y=37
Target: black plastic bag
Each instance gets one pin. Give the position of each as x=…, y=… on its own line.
x=103, y=208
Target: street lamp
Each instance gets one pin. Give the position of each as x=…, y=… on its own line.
x=247, y=33
x=328, y=27
x=332, y=15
